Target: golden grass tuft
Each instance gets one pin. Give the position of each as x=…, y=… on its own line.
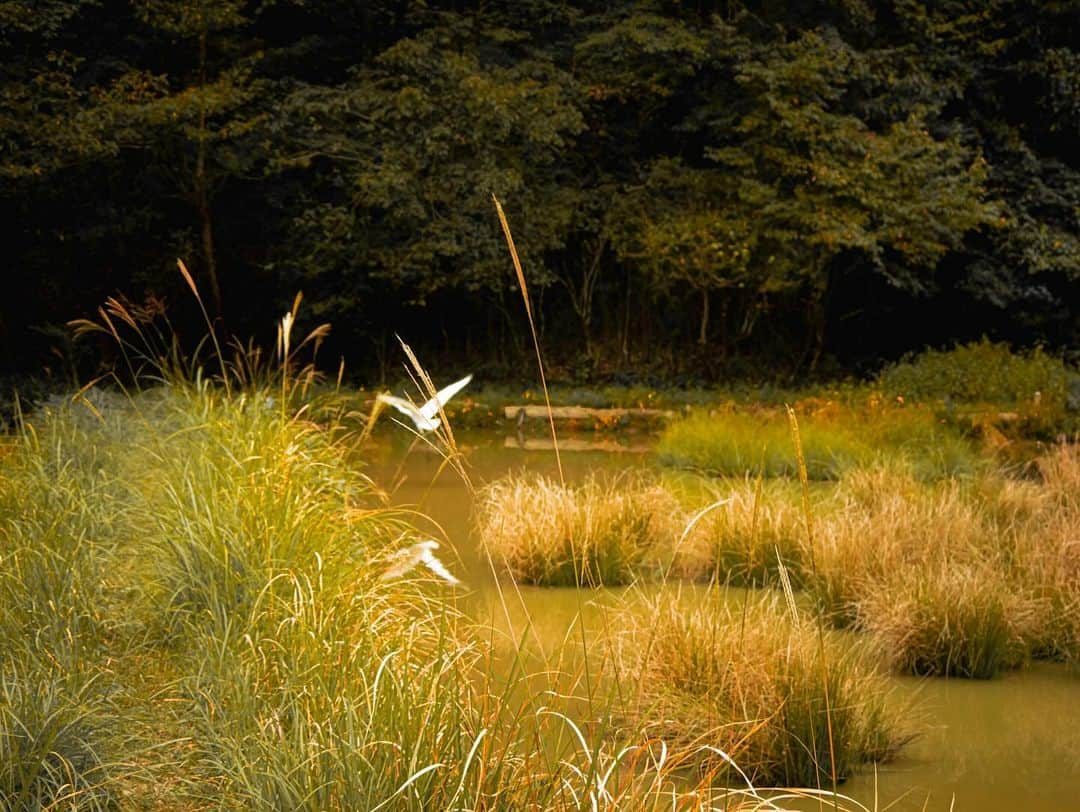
x=890, y=520
x=752, y=681
x=943, y=619
x=603, y=532
x=740, y=541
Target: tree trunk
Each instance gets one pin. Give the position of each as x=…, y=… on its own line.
x=725, y=300
x=818, y=334
x=202, y=186
x=703, y=333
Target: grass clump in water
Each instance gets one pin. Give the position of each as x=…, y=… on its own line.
x=835, y=439
x=886, y=518
x=743, y=535
x=752, y=681
x=964, y=578
x=955, y=620
x=603, y=532
x=737, y=444
x=1048, y=556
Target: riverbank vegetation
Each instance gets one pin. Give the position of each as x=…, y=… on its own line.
x=195, y=614
x=195, y=609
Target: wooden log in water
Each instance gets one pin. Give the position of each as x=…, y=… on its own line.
x=574, y=444
x=539, y=412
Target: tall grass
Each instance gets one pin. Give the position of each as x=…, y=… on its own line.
x=742, y=541
x=58, y=734
x=747, y=678
x=835, y=439
x=601, y=532
x=59, y=520
x=194, y=616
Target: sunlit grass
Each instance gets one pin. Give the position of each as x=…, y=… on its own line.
x=237, y=549
x=601, y=532
x=743, y=534
x=835, y=439
x=760, y=683
x=947, y=619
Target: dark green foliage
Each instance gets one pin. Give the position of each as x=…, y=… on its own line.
x=981, y=372
x=856, y=181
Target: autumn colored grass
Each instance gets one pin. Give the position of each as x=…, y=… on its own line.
x=961, y=578
x=757, y=681
x=601, y=532
x=194, y=615
x=742, y=536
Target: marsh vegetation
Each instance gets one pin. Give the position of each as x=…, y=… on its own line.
x=196, y=611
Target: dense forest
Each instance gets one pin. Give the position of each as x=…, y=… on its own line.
x=697, y=189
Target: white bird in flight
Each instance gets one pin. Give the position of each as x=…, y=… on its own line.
x=404, y=561
x=426, y=417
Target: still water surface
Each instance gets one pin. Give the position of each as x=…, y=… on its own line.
x=1002, y=745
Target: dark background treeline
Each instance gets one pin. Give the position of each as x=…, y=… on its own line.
x=697, y=188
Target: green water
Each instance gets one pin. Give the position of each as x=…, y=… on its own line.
x=1007, y=744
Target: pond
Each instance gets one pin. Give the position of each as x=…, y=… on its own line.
x=1005, y=744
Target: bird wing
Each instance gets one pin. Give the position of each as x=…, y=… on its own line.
x=401, y=405
x=407, y=559
x=431, y=408
x=437, y=567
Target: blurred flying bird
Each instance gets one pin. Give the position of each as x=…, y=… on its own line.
x=404, y=561
x=426, y=417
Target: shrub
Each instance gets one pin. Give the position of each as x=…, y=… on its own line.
x=980, y=372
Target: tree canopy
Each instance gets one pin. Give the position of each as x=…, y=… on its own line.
x=743, y=185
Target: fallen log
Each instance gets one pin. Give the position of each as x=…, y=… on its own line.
x=538, y=412
x=573, y=444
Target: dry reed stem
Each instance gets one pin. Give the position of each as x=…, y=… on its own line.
x=532, y=327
